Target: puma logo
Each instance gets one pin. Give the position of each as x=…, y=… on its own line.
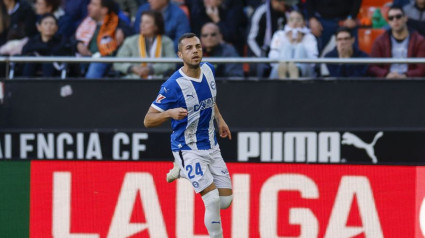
x=351, y=139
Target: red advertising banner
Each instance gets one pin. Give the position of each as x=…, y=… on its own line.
x=420, y=202
x=121, y=199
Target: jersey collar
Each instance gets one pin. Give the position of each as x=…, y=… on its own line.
x=193, y=79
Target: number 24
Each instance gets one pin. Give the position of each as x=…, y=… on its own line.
x=198, y=170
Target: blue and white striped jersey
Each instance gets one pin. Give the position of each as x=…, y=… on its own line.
x=196, y=131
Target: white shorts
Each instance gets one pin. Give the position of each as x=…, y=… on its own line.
x=203, y=167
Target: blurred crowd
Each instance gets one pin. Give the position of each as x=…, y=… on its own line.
x=278, y=29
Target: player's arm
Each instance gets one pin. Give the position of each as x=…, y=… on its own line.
x=223, y=129
x=155, y=118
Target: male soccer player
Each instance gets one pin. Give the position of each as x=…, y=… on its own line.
x=188, y=97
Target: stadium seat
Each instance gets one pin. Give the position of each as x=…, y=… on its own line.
x=366, y=37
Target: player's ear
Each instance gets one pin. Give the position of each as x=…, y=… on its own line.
x=179, y=54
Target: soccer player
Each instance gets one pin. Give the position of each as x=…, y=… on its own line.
x=188, y=98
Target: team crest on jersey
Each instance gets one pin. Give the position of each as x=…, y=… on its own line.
x=212, y=84
x=160, y=98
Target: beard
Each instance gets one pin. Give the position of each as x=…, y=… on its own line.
x=193, y=65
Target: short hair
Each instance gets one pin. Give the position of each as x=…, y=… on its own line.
x=344, y=29
x=110, y=4
x=185, y=36
x=299, y=12
x=159, y=20
x=55, y=4
x=44, y=16
x=395, y=7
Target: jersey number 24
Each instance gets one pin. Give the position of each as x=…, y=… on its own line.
x=198, y=170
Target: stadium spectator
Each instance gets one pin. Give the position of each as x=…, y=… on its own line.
x=18, y=20
x=100, y=34
x=401, y=3
x=75, y=12
x=129, y=7
x=46, y=43
x=415, y=13
x=399, y=43
x=49, y=6
x=214, y=46
x=227, y=14
x=267, y=19
x=250, y=6
x=345, y=48
x=4, y=23
x=176, y=21
x=150, y=43
x=326, y=16
x=294, y=41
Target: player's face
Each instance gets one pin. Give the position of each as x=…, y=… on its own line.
x=191, y=51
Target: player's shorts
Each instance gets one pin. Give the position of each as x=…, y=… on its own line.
x=203, y=167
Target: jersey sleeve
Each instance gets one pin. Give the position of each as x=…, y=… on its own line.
x=166, y=99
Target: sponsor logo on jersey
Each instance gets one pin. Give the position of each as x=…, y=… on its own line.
x=204, y=104
x=160, y=98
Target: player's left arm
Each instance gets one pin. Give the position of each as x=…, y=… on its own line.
x=223, y=128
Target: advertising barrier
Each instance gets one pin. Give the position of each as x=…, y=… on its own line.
x=119, y=199
x=263, y=105
x=322, y=147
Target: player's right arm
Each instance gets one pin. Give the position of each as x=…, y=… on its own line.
x=155, y=118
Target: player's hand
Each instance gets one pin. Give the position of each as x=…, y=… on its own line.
x=224, y=130
x=177, y=113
